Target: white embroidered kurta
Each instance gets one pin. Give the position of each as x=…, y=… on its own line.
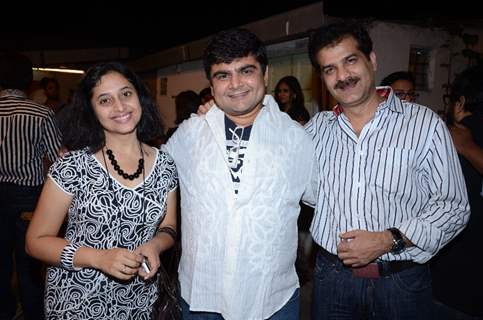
x=238, y=254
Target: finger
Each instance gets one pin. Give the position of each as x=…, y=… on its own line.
x=143, y=274
x=343, y=246
x=344, y=256
x=127, y=270
x=358, y=264
x=133, y=259
x=351, y=262
x=123, y=276
x=201, y=110
x=153, y=262
x=349, y=234
x=133, y=264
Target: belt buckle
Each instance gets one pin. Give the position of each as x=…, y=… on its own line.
x=370, y=271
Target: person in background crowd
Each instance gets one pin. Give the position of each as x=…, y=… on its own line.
x=52, y=91
x=36, y=93
x=28, y=133
x=187, y=103
x=402, y=84
x=457, y=279
x=205, y=95
x=290, y=99
x=391, y=193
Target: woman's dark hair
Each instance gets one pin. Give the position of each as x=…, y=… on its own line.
x=334, y=33
x=81, y=128
x=187, y=102
x=297, y=109
x=469, y=84
x=227, y=46
x=398, y=75
x=205, y=92
x=295, y=87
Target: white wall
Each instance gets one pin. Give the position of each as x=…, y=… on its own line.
x=392, y=44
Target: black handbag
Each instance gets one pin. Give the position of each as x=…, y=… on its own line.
x=167, y=307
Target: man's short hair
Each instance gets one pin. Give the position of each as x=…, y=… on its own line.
x=469, y=84
x=227, y=46
x=332, y=34
x=15, y=71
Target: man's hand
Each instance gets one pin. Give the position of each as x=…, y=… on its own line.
x=204, y=108
x=359, y=247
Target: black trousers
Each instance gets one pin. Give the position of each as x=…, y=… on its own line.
x=15, y=199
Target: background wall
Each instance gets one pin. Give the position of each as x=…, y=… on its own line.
x=392, y=44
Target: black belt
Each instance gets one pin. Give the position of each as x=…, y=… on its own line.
x=372, y=270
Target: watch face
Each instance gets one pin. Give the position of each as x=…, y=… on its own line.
x=398, y=240
x=398, y=246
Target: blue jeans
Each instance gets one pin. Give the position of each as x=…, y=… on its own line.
x=290, y=311
x=13, y=200
x=339, y=295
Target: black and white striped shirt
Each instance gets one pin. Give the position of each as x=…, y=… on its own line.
x=402, y=171
x=27, y=132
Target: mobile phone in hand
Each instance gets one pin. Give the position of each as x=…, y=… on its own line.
x=145, y=265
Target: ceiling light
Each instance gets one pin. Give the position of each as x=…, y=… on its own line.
x=59, y=70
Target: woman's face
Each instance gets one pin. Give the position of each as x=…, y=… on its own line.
x=51, y=90
x=284, y=94
x=116, y=104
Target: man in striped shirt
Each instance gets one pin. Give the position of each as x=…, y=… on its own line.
x=390, y=189
x=27, y=133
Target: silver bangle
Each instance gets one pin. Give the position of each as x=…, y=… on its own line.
x=67, y=256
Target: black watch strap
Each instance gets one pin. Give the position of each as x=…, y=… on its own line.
x=398, y=245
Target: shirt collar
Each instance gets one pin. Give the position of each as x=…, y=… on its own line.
x=391, y=101
x=268, y=104
x=13, y=92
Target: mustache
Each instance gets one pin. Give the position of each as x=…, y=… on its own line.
x=341, y=84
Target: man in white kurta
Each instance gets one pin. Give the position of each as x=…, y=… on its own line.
x=239, y=248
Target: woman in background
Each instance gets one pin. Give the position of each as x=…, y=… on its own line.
x=290, y=99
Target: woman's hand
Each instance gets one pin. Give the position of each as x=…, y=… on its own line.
x=119, y=263
x=151, y=251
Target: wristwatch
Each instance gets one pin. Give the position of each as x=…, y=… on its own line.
x=398, y=244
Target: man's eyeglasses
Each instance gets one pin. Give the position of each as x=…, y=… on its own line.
x=406, y=95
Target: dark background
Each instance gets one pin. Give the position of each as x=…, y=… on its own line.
x=149, y=26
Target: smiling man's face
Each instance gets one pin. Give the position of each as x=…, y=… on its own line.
x=239, y=87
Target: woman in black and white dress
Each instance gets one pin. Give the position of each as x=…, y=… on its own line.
x=120, y=198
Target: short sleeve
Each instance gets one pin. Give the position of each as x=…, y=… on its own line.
x=65, y=172
x=170, y=174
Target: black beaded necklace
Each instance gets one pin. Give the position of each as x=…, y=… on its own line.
x=111, y=188
x=121, y=172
